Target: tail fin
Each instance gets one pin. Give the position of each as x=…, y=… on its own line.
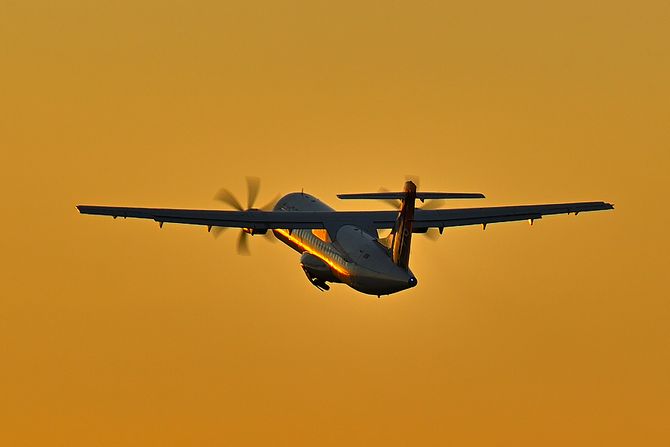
x=402, y=235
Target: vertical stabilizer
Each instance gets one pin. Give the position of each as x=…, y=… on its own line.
x=402, y=236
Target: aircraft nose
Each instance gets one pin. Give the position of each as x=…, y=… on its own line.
x=392, y=281
x=401, y=280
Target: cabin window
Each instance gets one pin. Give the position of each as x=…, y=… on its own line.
x=321, y=234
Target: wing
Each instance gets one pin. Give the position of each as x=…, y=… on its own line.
x=258, y=220
x=333, y=220
x=482, y=216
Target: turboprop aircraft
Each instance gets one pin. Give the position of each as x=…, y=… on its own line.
x=344, y=246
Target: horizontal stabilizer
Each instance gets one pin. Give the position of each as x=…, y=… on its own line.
x=419, y=195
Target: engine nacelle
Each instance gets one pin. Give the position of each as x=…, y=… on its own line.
x=317, y=271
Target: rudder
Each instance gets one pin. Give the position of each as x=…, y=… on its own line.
x=402, y=236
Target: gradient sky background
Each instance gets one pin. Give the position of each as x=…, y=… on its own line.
x=113, y=333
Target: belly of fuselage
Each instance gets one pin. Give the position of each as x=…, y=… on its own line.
x=306, y=240
x=356, y=258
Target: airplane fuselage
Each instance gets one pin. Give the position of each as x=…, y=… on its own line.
x=353, y=257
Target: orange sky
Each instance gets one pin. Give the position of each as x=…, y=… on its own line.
x=114, y=333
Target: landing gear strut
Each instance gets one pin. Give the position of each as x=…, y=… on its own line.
x=316, y=282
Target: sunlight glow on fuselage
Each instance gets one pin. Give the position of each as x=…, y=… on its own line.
x=305, y=246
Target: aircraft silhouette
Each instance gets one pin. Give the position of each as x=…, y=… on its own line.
x=344, y=246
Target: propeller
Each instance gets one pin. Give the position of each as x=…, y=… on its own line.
x=394, y=203
x=414, y=179
x=433, y=204
x=432, y=234
x=225, y=196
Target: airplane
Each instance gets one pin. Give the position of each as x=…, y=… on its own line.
x=345, y=246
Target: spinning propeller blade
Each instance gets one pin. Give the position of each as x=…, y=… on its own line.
x=225, y=196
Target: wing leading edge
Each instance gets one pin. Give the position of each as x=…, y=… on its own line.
x=332, y=220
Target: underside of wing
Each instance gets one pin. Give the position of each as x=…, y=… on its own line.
x=252, y=219
x=483, y=216
x=370, y=221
